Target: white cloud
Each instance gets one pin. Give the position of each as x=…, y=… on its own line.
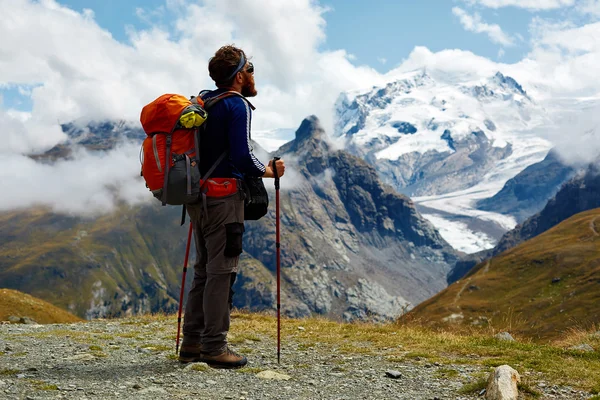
x=474, y=23
x=591, y=7
x=528, y=4
x=89, y=184
x=73, y=69
x=501, y=53
x=382, y=60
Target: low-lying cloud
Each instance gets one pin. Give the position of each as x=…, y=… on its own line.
x=73, y=69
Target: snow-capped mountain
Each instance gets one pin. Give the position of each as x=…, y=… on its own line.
x=447, y=144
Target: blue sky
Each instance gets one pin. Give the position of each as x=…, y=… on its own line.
x=370, y=30
x=378, y=33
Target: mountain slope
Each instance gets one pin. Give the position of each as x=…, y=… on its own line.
x=18, y=304
x=527, y=193
x=351, y=246
x=541, y=288
x=579, y=194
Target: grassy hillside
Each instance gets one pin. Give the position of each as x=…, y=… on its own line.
x=540, y=289
x=20, y=304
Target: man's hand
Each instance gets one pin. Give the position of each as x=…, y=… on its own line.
x=280, y=169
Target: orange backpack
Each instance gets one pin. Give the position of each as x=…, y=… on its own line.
x=172, y=124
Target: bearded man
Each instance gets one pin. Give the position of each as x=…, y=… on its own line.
x=218, y=223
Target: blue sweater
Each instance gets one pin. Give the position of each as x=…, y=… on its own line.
x=228, y=128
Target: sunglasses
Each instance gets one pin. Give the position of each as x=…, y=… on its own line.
x=250, y=68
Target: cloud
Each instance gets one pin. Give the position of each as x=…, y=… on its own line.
x=474, y=23
x=382, y=60
x=591, y=7
x=90, y=184
x=527, y=4
x=72, y=69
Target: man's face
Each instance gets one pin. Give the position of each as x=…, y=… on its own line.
x=248, y=88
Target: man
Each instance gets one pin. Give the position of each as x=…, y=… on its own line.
x=219, y=227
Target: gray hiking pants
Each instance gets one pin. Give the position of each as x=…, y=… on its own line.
x=218, y=238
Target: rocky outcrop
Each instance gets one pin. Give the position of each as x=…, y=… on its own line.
x=527, y=193
x=352, y=247
x=579, y=194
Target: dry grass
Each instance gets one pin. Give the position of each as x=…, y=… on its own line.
x=516, y=291
x=551, y=362
x=20, y=304
x=398, y=343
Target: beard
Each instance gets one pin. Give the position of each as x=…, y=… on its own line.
x=248, y=90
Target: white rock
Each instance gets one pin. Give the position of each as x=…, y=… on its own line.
x=273, y=375
x=81, y=357
x=582, y=347
x=505, y=336
x=502, y=384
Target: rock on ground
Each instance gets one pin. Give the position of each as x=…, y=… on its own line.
x=502, y=384
x=505, y=336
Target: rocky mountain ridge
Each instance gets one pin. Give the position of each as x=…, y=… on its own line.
x=351, y=247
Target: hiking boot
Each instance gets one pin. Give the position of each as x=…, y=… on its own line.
x=191, y=352
x=226, y=359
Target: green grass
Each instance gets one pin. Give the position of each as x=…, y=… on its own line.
x=172, y=356
x=246, y=350
x=200, y=367
x=474, y=387
x=157, y=347
x=528, y=391
x=42, y=385
x=446, y=373
x=8, y=371
x=96, y=348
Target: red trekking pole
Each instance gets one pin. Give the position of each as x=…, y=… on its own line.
x=185, y=263
x=277, y=246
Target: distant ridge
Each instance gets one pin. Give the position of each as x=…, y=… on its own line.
x=539, y=289
x=19, y=304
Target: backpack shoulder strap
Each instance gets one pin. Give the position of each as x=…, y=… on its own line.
x=211, y=101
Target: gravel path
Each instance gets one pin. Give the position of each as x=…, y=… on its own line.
x=122, y=359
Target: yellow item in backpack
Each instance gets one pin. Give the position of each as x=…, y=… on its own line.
x=192, y=119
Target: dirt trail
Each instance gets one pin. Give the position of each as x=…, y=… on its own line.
x=593, y=227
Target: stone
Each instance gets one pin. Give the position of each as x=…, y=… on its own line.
x=272, y=375
x=504, y=336
x=13, y=319
x=582, y=347
x=211, y=382
x=28, y=321
x=301, y=328
x=198, y=366
x=393, y=374
x=502, y=384
x=81, y=357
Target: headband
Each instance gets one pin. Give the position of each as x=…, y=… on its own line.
x=238, y=69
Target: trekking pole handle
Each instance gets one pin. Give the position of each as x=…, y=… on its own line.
x=275, y=159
